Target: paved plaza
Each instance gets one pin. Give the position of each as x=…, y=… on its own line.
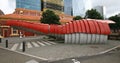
x=17, y=46
x=62, y=51
x=7, y=56
x=104, y=58
x=52, y=50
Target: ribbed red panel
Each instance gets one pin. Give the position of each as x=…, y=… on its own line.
x=51, y=29
x=67, y=28
x=92, y=27
x=59, y=29
x=101, y=28
x=56, y=29
x=108, y=29
x=82, y=26
x=71, y=27
x=75, y=26
x=79, y=26
x=64, y=31
x=97, y=27
x=87, y=27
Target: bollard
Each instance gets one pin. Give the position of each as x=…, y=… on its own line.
x=23, y=46
x=0, y=40
x=6, y=43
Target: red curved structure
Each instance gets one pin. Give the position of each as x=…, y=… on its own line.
x=74, y=27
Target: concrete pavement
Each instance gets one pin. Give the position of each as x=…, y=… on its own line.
x=61, y=51
x=104, y=58
x=7, y=56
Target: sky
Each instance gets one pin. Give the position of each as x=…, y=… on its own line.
x=7, y=6
x=112, y=6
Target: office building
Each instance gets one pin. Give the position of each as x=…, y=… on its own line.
x=29, y=4
x=68, y=7
x=76, y=7
x=101, y=10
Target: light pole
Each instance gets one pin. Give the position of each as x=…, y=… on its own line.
x=21, y=13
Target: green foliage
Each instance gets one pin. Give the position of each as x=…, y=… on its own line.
x=93, y=14
x=115, y=18
x=49, y=17
x=77, y=18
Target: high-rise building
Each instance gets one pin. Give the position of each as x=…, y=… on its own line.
x=54, y=5
x=9, y=6
x=29, y=4
x=68, y=7
x=76, y=7
x=101, y=10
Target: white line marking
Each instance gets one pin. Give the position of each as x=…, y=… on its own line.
x=51, y=42
x=14, y=47
x=29, y=45
x=21, y=44
x=46, y=43
x=35, y=44
x=109, y=49
x=41, y=43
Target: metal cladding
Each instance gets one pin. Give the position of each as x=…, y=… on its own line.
x=80, y=31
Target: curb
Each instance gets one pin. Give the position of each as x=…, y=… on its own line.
x=105, y=51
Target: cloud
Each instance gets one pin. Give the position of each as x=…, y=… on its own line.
x=7, y=6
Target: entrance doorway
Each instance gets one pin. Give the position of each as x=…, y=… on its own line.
x=5, y=33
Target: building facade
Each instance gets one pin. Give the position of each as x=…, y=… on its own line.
x=54, y=5
x=19, y=14
x=27, y=16
x=29, y=4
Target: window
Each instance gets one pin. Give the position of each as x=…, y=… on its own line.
x=14, y=31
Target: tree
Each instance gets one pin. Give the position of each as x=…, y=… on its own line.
x=115, y=26
x=93, y=14
x=77, y=18
x=49, y=17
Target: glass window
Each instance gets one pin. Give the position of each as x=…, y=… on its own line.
x=29, y=4
x=15, y=31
